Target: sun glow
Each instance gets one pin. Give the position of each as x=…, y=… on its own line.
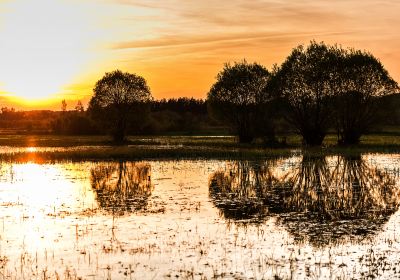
x=44, y=43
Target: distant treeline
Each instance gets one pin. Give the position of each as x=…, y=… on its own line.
x=187, y=116
x=180, y=116
x=318, y=89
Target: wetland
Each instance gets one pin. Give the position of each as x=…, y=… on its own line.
x=292, y=216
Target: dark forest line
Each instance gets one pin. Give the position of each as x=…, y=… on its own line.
x=176, y=116
x=318, y=90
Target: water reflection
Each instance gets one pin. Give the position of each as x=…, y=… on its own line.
x=75, y=231
x=345, y=188
x=239, y=191
x=122, y=186
x=320, y=200
x=330, y=199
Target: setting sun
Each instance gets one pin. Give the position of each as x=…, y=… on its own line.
x=57, y=49
x=43, y=46
x=148, y=139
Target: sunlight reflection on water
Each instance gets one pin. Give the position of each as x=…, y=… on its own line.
x=293, y=217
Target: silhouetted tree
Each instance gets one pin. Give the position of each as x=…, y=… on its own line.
x=362, y=80
x=237, y=96
x=307, y=80
x=389, y=110
x=79, y=107
x=119, y=98
x=63, y=105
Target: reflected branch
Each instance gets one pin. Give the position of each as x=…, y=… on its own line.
x=321, y=200
x=337, y=199
x=122, y=187
x=237, y=190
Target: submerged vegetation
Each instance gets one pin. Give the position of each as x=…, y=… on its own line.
x=288, y=217
x=49, y=148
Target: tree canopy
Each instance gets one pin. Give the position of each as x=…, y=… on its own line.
x=236, y=94
x=362, y=79
x=307, y=81
x=116, y=96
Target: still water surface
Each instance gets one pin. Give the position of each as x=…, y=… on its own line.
x=297, y=217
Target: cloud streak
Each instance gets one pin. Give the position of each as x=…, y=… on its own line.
x=195, y=38
x=179, y=46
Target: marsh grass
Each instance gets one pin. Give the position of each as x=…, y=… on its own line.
x=77, y=148
x=52, y=140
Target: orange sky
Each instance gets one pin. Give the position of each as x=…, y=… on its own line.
x=56, y=49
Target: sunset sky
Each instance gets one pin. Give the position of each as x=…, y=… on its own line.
x=52, y=49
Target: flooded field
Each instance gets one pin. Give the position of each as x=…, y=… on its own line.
x=286, y=218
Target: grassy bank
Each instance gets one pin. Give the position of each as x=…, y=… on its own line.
x=48, y=148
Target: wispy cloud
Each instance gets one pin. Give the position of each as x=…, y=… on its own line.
x=179, y=46
x=195, y=38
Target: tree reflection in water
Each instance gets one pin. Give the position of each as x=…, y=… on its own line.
x=122, y=187
x=322, y=200
x=345, y=198
x=238, y=192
